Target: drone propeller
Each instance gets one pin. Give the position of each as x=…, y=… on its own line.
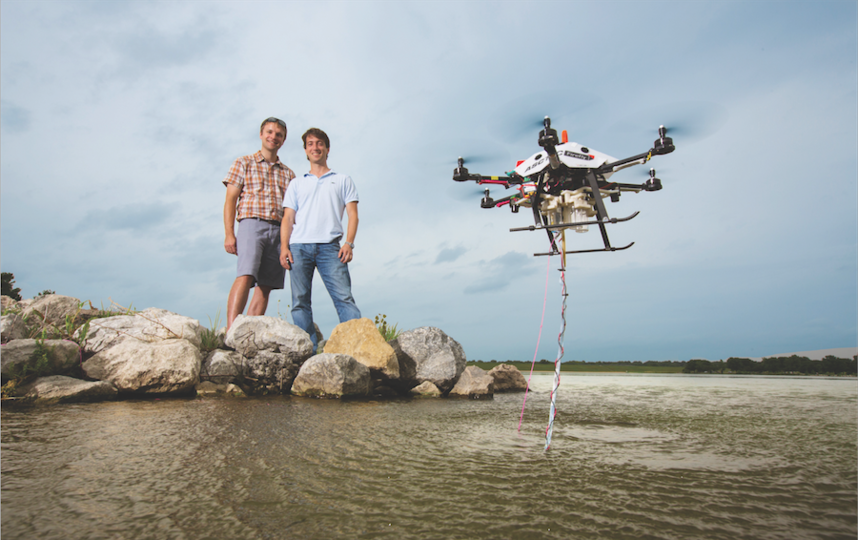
x=653, y=180
x=523, y=117
x=471, y=193
x=685, y=123
x=480, y=159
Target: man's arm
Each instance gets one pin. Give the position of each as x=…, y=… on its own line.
x=232, y=194
x=285, y=234
x=346, y=254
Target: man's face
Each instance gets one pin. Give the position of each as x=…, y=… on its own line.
x=272, y=136
x=316, y=150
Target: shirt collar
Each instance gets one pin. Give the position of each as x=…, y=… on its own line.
x=260, y=158
x=329, y=173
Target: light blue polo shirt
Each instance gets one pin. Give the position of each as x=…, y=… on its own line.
x=319, y=204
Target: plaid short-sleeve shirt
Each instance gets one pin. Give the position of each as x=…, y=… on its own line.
x=262, y=186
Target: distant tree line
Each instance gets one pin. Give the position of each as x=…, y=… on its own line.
x=830, y=365
x=780, y=364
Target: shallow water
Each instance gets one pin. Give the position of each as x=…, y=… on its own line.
x=633, y=456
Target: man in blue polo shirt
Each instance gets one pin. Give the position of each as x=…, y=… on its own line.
x=311, y=231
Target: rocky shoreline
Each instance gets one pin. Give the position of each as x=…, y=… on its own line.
x=55, y=351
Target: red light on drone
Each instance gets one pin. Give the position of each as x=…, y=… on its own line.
x=564, y=136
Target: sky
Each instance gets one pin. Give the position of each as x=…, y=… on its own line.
x=120, y=120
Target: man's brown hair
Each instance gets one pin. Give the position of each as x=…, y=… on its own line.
x=319, y=134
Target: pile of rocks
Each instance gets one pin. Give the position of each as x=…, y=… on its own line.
x=158, y=352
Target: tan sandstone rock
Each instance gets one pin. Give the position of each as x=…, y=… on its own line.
x=360, y=339
x=474, y=383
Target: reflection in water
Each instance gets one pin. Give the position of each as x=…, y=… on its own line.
x=631, y=456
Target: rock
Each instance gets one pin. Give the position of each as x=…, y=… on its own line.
x=320, y=337
x=12, y=327
x=428, y=354
x=474, y=383
x=426, y=389
x=508, y=379
x=360, y=339
x=221, y=367
x=62, y=389
x=148, y=326
x=7, y=303
x=207, y=388
x=272, y=350
x=271, y=371
x=49, y=313
x=249, y=335
x=383, y=391
x=332, y=376
x=171, y=366
x=59, y=356
x=234, y=390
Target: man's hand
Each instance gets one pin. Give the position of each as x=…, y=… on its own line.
x=286, y=258
x=346, y=254
x=229, y=244
x=232, y=195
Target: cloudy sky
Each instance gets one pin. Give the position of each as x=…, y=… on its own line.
x=120, y=119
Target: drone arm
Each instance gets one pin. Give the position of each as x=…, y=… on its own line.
x=621, y=164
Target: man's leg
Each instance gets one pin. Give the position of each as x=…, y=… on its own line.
x=238, y=298
x=259, y=302
x=301, y=281
x=249, y=249
x=335, y=275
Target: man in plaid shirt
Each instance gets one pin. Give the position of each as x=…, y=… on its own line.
x=255, y=186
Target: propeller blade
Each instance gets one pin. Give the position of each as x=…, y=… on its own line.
x=487, y=156
x=523, y=116
x=685, y=122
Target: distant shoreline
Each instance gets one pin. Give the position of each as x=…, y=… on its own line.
x=611, y=367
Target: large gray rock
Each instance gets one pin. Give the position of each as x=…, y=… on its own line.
x=49, y=313
x=272, y=350
x=148, y=326
x=428, y=354
x=474, y=383
x=221, y=367
x=360, y=339
x=66, y=389
x=164, y=367
x=52, y=357
x=250, y=334
x=508, y=379
x=332, y=376
x=12, y=327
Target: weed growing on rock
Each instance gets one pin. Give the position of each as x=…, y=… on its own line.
x=388, y=332
x=211, y=340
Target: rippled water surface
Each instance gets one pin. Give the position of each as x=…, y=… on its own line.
x=632, y=457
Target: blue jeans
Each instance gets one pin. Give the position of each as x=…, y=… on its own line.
x=334, y=274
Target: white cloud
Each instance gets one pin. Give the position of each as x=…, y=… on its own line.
x=124, y=118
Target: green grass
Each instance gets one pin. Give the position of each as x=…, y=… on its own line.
x=580, y=367
x=388, y=332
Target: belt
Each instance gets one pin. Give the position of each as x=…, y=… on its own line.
x=271, y=221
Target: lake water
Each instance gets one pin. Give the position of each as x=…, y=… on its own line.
x=633, y=456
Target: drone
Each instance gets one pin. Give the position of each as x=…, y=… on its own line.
x=565, y=185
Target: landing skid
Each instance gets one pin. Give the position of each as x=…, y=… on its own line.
x=585, y=251
x=563, y=226
x=566, y=225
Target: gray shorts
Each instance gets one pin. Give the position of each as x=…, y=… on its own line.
x=258, y=248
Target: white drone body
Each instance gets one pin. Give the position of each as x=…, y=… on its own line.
x=565, y=183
